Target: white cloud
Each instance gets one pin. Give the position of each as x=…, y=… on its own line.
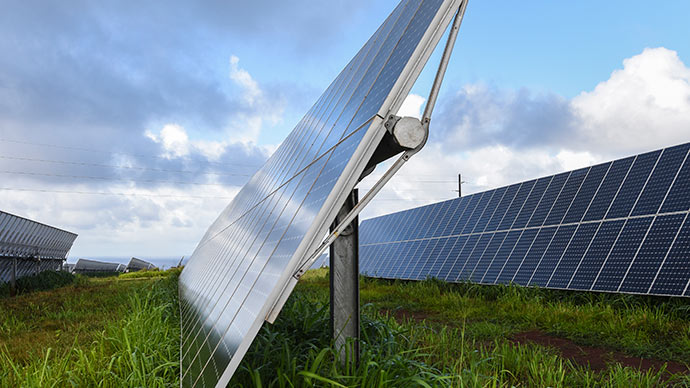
x=175, y=142
x=412, y=106
x=496, y=137
x=645, y=105
x=252, y=92
x=246, y=127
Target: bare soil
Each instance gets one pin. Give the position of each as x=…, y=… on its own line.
x=598, y=359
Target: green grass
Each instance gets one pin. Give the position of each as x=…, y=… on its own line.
x=46, y=280
x=464, y=341
x=149, y=274
x=104, y=332
x=124, y=331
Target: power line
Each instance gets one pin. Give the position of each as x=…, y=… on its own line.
x=118, y=166
x=111, y=193
x=109, y=152
x=108, y=178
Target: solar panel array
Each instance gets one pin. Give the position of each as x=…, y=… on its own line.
x=35, y=246
x=241, y=271
x=139, y=265
x=91, y=266
x=21, y=237
x=620, y=226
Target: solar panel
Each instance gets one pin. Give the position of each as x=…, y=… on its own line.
x=139, y=265
x=87, y=265
x=242, y=270
x=34, y=246
x=620, y=226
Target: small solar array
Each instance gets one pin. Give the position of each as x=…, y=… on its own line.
x=139, y=265
x=243, y=269
x=32, y=246
x=85, y=266
x=620, y=226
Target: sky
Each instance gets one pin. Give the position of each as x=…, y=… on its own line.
x=134, y=124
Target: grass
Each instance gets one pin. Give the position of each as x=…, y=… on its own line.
x=143, y=274
x=465, y=340
x=46, y=280
x=104, y=332
x=123, y=331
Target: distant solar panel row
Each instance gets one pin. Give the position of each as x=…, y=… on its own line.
x=91, y=266
x=21, y=237
x=139, y=265
x=620, y=226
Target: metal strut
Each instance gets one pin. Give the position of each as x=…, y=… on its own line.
x=426, y=119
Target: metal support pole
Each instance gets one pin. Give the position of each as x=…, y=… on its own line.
x=344, y=279
x=440, y=73
x=459, y=185
x=13, y=279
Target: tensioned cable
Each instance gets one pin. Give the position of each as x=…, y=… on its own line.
x=108, y=178
x=116, y=166
x=110, y=193
x=109, y=152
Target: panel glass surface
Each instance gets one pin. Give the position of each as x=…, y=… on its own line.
x=242, y=263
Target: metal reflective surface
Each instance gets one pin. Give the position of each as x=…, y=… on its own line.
x=86, y=265
x=34, y=246
x=139, y=265
x=243, y=264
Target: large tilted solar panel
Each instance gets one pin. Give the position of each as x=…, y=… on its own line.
x=242, y=270
x=21, y=237
x=28, y=247
x=620, y=226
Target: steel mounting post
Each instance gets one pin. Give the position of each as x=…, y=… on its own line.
x=344, y=285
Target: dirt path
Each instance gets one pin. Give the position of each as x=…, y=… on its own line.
x=596, y=358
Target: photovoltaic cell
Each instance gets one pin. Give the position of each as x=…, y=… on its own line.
x=653, y=251
x=565, y=198
x=633, y=184
x=608, y=189
x=664, y=173
x=586, y=193
x=547, y=201
x=674, y=273
x=597, y=252
x=620, y=226
x=241, y=270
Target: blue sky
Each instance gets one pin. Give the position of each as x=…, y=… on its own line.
x=143, y=120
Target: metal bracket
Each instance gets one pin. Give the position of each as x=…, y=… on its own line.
x=390, y=124
x=368, y=197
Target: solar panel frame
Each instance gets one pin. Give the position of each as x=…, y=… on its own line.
x=361, y=145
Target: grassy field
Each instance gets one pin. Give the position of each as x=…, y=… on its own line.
x=124, y=331
x=105, y=332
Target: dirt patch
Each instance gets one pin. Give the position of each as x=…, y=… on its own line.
x=596, y=358
x=402, y=315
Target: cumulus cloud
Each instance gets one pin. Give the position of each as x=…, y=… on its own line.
x=646, y=104
x=412, y=106
x=496, y=137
